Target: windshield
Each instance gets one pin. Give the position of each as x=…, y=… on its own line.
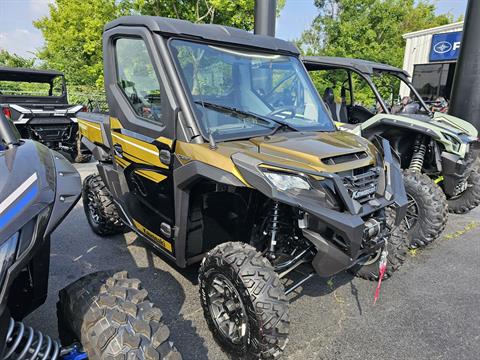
x=239, y=94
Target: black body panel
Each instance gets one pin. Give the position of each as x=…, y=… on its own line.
x=38, y=187
x=217, y=33
x=349, y=224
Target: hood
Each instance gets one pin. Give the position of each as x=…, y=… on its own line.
x=327, y=151
x=453, y=133
x=445, y=123
x=331, y=152
x=440, y=122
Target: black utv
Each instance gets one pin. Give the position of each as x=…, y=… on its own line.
x=36, y=102
x=103, y=315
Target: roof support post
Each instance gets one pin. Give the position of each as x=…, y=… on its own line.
x=265, y=17
x=466, y=84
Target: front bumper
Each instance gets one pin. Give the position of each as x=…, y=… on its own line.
x=456, y=170
x=348, y=224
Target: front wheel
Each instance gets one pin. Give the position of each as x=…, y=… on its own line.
x=470, y=198
x=427, y=211
x=244, y=302
x=397, y=252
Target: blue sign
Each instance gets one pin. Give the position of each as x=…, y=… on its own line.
x=445, y=47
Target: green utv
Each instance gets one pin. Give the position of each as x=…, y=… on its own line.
x=217, y=149
x=438, y=152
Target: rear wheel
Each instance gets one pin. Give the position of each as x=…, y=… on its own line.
x=470, y=198
x=427, y=212
x=113, y=318
x=101, y=212
x=244, y=302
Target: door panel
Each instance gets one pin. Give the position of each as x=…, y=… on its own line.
x=140, y=142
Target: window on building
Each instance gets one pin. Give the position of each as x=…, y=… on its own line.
x=433, y=80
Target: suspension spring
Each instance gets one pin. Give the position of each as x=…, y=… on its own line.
x=274, y=225
x=419, y=150
x=23, y=342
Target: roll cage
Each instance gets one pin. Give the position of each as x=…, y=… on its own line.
x=365, y=69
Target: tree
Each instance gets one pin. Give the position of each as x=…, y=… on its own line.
x=368, y=29
x=237, y=13
x=14, y=60
x=16, y=88
x=73, y=37
x=73, y=28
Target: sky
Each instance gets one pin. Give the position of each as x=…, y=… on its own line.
x=18, y=35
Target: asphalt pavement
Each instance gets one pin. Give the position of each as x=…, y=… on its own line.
x=429, y=309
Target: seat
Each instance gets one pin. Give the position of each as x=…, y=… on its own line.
x=329, y=99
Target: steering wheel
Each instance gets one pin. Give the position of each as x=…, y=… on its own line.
x=290, y=109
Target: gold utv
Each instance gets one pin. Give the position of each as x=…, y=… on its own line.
x=218, y=148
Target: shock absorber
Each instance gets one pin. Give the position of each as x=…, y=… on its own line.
x=274, y=226
x=419, y=150
x=23, y=342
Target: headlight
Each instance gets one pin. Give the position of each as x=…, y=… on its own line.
x=7, y=255
x=287, y=182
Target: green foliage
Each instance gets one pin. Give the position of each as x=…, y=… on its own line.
x=14, y=60
x=73, y=28
x=86, y=95
x=24, y=88
x=237, y=13
x=73, y=38
x=367, y=29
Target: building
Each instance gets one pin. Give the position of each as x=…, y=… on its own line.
x=430, y=58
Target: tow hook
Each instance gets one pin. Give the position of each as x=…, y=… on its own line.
x=382, y=267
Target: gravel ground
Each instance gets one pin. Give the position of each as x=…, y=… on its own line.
x=430, y=309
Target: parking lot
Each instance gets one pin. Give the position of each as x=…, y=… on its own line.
x=430, y=309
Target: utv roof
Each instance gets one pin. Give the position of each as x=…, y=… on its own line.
x=24, y=74
x=363, y=66
x=209, y=32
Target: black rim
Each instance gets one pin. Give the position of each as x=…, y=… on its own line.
x=227, y=309
x=92, y=208
x=411, y=217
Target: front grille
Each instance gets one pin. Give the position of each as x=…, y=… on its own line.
x=362, y=183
